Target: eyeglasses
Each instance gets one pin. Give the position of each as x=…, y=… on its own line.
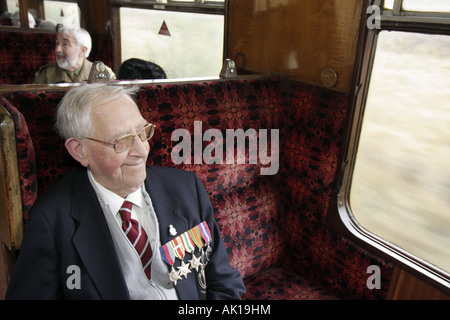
x=124, y=143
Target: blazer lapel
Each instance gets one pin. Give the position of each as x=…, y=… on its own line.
x=167, y=206
x=169, y=212
x=94, y=243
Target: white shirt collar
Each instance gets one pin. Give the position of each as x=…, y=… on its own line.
x=115, y=201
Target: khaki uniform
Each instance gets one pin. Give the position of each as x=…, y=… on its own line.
x=51, y=73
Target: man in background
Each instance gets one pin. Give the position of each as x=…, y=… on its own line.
x=73, y=46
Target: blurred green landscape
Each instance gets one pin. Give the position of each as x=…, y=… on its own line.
x=401, y=183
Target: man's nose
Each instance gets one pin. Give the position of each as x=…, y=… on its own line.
x=139, y=147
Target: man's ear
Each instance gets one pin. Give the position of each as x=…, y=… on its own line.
x=83, y=51
x=76, y=149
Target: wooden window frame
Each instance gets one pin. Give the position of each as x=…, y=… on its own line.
x=198, y=6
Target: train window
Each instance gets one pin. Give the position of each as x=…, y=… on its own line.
x=198, y=1
x=184, y=44
x=13, y=10
x=411, y=7
x=395, y=183
x=12, y=5
x=63, y=12
x=401, y=181
x=47, y=15
x=389, y=4
x=427, y=5
x=11, y=16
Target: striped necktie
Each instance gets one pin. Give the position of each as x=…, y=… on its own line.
x=137, y=236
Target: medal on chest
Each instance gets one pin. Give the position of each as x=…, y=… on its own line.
x=195, y=239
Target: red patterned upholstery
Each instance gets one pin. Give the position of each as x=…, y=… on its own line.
x=43, y=158
x=275, y=227
x=101, y=49
x=23, y=53
x=274, y=283
x=39, y=110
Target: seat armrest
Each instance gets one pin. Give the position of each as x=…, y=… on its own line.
x=11, y=216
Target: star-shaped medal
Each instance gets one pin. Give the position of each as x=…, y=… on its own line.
x=174, y=276
x=183, y=270
x=195, y=262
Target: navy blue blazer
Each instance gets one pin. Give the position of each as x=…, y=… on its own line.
x=68, y=227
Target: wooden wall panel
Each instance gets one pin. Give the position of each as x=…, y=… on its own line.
x=95, y=15
x=299, y=38
x=405, y=286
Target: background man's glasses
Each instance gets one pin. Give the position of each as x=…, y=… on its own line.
x=124, y=143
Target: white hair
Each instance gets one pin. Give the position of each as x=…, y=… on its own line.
x=73, y=118
x=81, y=36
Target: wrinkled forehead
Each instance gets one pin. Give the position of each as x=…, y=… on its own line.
x=66, y=37
x=117, y=117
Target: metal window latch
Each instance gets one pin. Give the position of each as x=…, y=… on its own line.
x=228, y=69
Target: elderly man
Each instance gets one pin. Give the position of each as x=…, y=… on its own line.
x=79, y=243
x=73, y=46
